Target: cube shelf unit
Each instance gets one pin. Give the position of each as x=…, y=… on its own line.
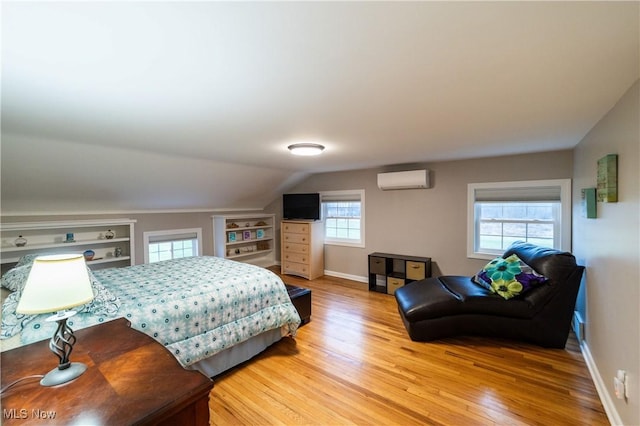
x=245, y=237
x=388, y=272
x=51, y=238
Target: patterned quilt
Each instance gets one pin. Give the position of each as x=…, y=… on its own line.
x=196, y=306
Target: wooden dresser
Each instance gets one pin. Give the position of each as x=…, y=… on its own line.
x=131, y=379
x=302, y=248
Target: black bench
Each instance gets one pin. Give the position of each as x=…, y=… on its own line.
x=301, y=299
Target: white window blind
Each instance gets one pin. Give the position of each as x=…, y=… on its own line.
x=161, y=238
x=524, y=193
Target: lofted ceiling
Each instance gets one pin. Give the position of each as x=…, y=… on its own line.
x=114, y=106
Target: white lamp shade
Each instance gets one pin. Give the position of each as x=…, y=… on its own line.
x=55, y=283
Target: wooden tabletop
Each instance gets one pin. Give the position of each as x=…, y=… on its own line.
x=131, y=379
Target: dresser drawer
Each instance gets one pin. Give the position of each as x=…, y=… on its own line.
x=296, y=257
x=393, y=284
x=296, y=248
x=295, y=238
x=415, y=270
x=377, y=265
x=296, y=268
x=298, y=228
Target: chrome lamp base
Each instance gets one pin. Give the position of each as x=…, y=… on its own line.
x=57, y=377
x=61, y=345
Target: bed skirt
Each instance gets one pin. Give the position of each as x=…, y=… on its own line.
x=237, y=354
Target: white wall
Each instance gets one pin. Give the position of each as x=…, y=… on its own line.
x=609, y=247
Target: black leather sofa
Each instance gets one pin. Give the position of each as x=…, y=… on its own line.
x=447, y=306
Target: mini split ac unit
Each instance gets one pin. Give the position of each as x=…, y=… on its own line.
x=410, y=179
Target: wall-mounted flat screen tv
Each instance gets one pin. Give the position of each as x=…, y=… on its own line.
x=301, y=206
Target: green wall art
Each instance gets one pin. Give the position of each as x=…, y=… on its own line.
x=589, y=203
x=608, y=179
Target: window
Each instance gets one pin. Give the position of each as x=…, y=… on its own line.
x=172, y=244
x=343, y=214
x=500, y=213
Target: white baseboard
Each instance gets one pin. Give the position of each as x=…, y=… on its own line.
x=341, y=275
x=347, y=276
x=601, y=387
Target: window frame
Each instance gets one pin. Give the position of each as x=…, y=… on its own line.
x=562, y=223
x=344, y=195
x=167, y=235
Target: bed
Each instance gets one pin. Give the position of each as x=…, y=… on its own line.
x=210, y=313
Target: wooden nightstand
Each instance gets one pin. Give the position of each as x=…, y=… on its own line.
x=131, y=379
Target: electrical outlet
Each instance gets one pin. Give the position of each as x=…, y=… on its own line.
x=578, y=326
x=620, y=384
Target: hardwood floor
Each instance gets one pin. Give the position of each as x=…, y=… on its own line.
x=355, y=364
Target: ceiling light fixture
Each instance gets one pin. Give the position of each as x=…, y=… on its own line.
x=306, y=148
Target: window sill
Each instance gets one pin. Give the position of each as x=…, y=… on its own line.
x=483, y=255
x=344, y=244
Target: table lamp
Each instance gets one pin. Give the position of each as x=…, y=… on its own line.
x=56, y=283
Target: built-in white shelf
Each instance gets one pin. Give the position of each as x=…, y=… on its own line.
x=245, y=237
x=50, y=237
